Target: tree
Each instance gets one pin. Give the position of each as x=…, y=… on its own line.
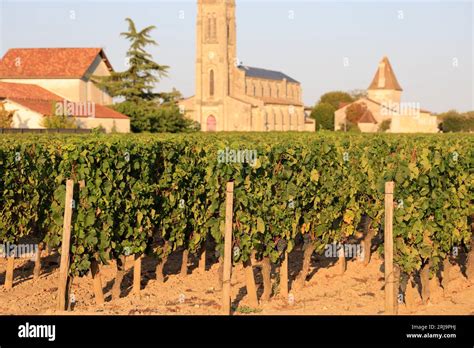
x=136, y=84
x=336, y=98
x=59, y=121
x=358, y=93
x=147, y=117
x=149, y=111
x=354, y=112
x=6, y=116
x=469, y=114
x=453, y=121
x=323, y=114
x=385, y=126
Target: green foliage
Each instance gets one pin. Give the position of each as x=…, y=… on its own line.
x=336, y=98
x=149, y=111
x=152, y=194
x=354, y=128
x=148, y=117
x=6, y=116
x=59, y=122
x=385, y=126
x=358, y=93
x=136, y=84
x=453, y=121
x=324, y=110
x=323, y=114
x=100, y=129
x=354, y=112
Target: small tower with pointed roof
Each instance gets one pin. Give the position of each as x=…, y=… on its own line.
x=385, y=87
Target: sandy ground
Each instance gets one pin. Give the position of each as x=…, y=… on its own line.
x=358, y=292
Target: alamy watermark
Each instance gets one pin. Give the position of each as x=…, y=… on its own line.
x=336, y=250
x=22, y=251
x=71, y=109
x=237, y=156
x=390, y=108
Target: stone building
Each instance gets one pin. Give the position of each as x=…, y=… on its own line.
x=230, y=96
x=37, y=81
x=383, y=103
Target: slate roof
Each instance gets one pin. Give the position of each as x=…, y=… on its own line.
x=20, y=63
x=43, y=101
x=266, y=74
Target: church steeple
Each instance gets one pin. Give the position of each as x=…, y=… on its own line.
x=385, y=86
x=385, y=77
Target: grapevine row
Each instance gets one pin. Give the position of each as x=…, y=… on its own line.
x=154, y=194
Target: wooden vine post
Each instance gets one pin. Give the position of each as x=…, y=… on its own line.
x=390, y=294
x=470, y=257
x=65, y=248
x=226, y=297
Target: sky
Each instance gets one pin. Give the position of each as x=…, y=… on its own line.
x=326, y=45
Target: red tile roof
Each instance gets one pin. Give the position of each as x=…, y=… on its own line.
x=105, y=112
x=42, y=101
x=25, y=91
x=43, y=107
x=49, y=62
x=367, y=117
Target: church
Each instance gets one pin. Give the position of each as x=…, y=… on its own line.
x=233, y=97
x=383, y=105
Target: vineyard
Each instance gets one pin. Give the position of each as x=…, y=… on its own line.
x=155, y=195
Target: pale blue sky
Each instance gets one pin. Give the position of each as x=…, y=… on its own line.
x=311, y=47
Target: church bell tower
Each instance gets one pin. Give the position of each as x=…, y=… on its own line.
x=215, y=61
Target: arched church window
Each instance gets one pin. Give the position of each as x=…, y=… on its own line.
x=211, y=83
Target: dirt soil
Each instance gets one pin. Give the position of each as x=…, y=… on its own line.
x=358, y=292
